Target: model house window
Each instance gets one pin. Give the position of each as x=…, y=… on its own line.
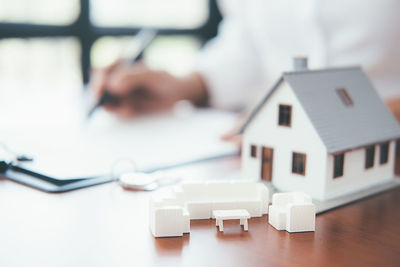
x=369, y=157
x=253, y=151
x=285, y=115
x=344, y=96
x=338, y=163
x=384, y=153
x=299, y=163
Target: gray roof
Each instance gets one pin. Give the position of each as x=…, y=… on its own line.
x=340, y=127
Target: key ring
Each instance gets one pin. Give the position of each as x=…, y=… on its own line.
x=121, y=166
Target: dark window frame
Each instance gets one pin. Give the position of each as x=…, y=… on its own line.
x=369, y=157
x=338, y=165
x=253, y=151
x=384, y=149
x=87, y=33
x=285, y=115
x=299, y=163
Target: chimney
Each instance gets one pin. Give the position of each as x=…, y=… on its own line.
x=300, y=63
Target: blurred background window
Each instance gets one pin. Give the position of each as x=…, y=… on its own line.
x=180, y=14
x=44, y=43
x=174, y=53
x=60, y=12
x=40, y=64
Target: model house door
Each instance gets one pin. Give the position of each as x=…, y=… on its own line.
x=397, y=159
x=266, y=163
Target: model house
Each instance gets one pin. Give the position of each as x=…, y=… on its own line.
x=324, y=132
x=171, y=215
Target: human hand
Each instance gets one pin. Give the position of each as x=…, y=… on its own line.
x=394, y=105
x=232, y=135
x=141, y=90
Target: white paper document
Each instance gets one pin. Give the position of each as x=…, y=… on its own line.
x=65, y=144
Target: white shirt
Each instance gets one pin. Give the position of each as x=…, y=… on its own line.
x=257, y=40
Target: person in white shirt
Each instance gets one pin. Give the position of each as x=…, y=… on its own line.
x=256, y=42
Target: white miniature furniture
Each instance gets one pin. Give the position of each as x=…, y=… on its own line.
x=293, y=212
x=221, y=215
x=170, y=216
x=201, y=198
x=168, y=219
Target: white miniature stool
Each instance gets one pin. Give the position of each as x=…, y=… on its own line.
x=221, y=215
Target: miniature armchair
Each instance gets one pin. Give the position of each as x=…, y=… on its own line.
x=293, y=212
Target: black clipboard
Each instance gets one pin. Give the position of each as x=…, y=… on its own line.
x=46, y=183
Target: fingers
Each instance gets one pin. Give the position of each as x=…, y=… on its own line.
x=138, y=89
x=125, y=111
x=113, y=65
x=233, y=136
x=134, y=106
x=126, y=78
x=99, y=77
x=120, y=82
x=235, y=139
x=394, y=105
x=97, y=82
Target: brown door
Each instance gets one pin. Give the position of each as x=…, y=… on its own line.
x=397, y=159
x=266, y=163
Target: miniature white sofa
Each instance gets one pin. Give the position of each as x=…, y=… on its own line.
x=293, y=212
x=201, y=198
x=196, y=200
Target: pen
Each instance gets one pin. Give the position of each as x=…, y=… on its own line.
x=145, y=37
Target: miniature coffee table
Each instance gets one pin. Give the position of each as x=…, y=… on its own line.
x=221, y=215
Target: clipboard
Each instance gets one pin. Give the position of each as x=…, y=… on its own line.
x=50, y=184
x=70, y=154
x=46, y=183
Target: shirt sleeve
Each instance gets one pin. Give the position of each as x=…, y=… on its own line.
x=229, y=63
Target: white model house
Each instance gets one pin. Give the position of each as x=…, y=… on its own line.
x=324, y=132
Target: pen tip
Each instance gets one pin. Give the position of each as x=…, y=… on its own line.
x=91, y=111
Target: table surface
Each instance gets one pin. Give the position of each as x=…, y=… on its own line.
x=107, y=226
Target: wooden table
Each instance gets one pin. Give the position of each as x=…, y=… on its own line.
x=107, y=226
